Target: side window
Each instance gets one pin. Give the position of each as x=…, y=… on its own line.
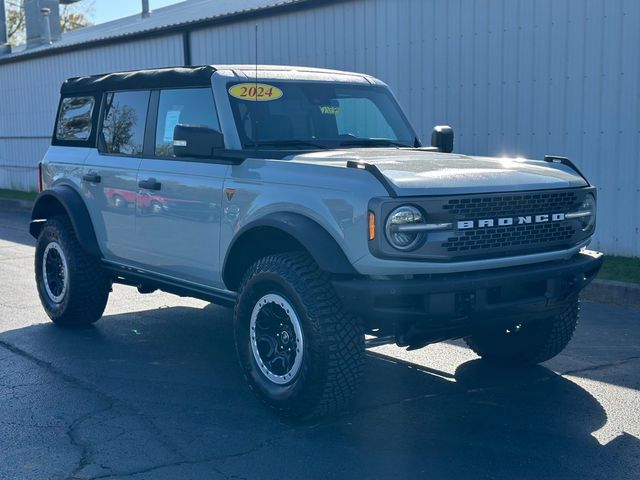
x=75, y=119
x=125, y=114
x=189, y=106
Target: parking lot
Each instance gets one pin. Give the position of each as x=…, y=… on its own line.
x=153, y=391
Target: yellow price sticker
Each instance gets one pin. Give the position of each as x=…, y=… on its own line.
x=255, y=91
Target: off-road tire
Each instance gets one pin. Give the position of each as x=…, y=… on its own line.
x=88, y=286
x=533, y=343
x=333, y=352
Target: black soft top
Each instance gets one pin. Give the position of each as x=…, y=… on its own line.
x=140, y=79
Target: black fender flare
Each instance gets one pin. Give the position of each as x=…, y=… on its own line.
x=320, y=244
x=63, y=199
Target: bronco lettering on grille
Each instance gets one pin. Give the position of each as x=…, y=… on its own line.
x=509, y=221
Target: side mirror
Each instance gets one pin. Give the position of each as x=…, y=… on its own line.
x=442, y=138
x=196, y=141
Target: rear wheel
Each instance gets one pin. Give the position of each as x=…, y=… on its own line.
x=529, y=343
x=72, y=286
x=302, y=354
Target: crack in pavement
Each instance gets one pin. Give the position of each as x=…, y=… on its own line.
x=52, y=369
x=16, y=307
x=602, y=366
x=112, y=404
x=214, y=458
x=158, y=467
x=85, y=448
x=291, y=431
x=30, y=425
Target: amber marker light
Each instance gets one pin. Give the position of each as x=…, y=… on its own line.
x=372, y=226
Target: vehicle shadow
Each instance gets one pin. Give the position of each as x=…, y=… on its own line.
x=166, y=385
x=605, y=346
x=14, y=227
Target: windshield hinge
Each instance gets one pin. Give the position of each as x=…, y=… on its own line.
x=375, y=171
x=567, y=162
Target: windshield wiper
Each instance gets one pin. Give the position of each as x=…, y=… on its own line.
x=287, y=143
x=372, y=142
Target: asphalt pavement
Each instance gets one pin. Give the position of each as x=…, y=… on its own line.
x=154, y=391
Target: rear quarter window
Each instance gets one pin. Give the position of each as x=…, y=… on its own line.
x=75, y=119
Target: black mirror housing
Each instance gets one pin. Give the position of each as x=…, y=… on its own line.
x=442, y=138
x=196, y=141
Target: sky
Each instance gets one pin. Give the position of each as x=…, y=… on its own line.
x=106, y=10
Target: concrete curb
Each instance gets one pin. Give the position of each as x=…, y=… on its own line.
x=610, y=291
x=15, y=204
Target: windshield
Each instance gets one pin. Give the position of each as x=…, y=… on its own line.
x=315, y=115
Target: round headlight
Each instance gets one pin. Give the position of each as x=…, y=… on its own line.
x=398, y=227
x=588, y=205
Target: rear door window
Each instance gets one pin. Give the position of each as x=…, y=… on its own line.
x=75, y=119
x=123, y=123
x=188, y=106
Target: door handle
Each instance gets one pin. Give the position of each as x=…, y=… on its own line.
x=150, y=184
x=91, y=177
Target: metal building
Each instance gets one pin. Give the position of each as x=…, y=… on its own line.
x=513, y=77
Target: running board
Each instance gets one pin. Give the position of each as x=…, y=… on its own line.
x=148, y=281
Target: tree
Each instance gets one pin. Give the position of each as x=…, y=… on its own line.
x=76, y=15
x=15, y=21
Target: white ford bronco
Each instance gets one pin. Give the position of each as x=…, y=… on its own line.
x=304, y=199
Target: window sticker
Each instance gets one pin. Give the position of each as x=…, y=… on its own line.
x=170, y=122
x=261, y=92
x=329, y=110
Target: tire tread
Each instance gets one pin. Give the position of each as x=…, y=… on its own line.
x=549, y=340
x=89, y=285
x=343, y=334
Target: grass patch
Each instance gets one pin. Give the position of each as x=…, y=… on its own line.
x=622, y=269
x=18, y=194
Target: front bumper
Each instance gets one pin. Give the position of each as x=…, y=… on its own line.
x=467, y=301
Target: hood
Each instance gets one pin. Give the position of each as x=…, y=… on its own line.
x=412, y=172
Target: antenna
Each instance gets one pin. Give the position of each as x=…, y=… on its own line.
x=255, y=142
x=256, y=62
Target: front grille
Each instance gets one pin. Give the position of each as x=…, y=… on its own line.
x=505, y=237
x=507, y=240
x=490, y=225
x=512, y=205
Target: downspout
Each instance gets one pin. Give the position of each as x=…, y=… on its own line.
x=186, y=48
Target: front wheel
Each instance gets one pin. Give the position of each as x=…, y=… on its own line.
x=302, y=354
x=529, y=343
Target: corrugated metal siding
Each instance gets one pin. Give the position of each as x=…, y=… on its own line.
x=29, y=93
x=513, y=77
x=160, y=18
